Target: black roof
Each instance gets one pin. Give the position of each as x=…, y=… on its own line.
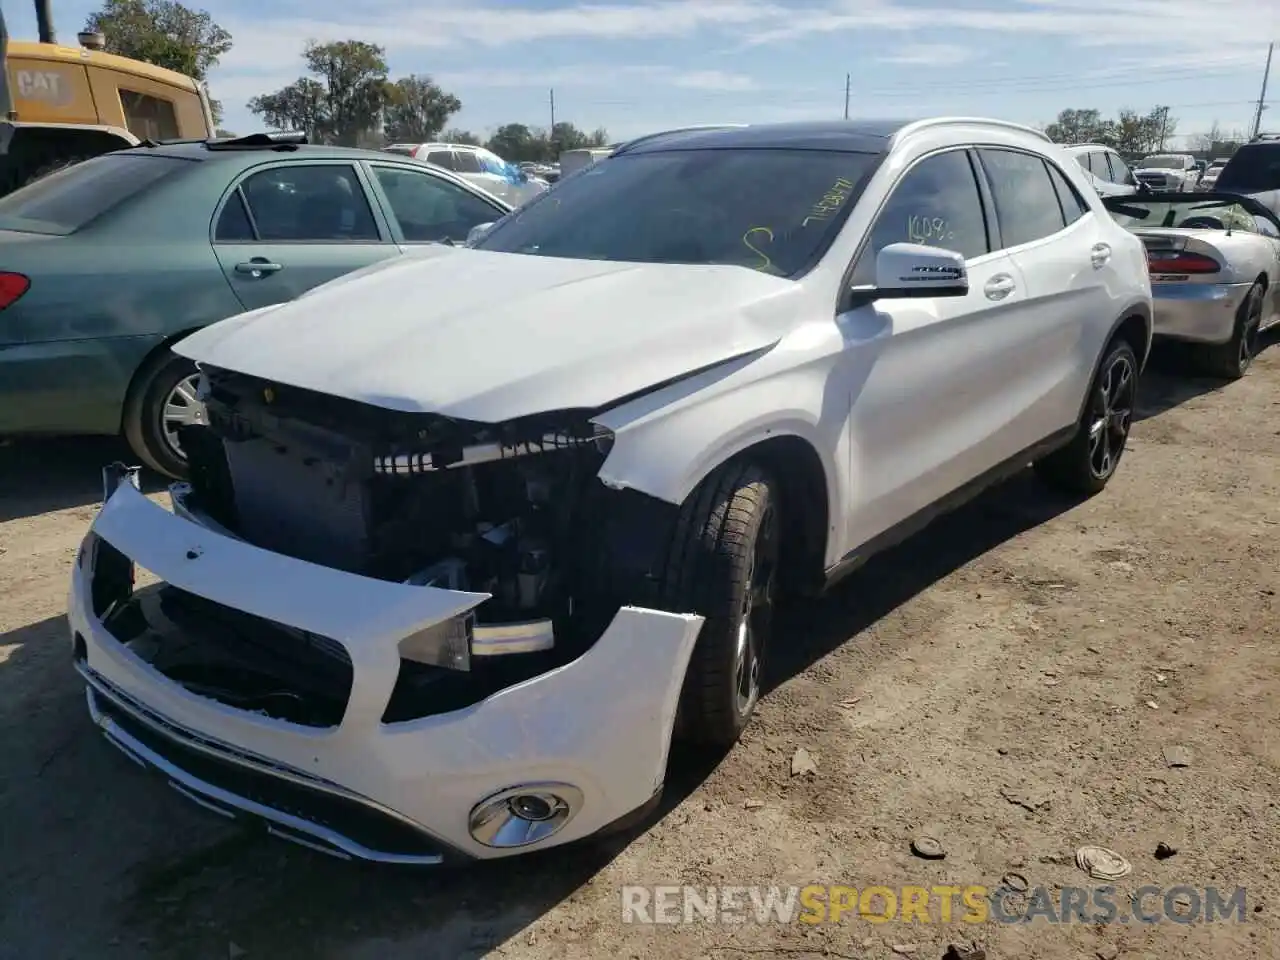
x=846, y=136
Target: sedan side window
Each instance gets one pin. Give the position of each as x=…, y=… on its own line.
x=310, y=202
x=430, y=208
x=1026, y=202
x=467, y=161
x=937, y=204
x=1120, y=171
x=1096, y=163
x=442, y=158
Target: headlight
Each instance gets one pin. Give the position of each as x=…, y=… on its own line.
x=445, y=644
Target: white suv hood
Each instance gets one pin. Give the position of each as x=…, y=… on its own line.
x=490, y=336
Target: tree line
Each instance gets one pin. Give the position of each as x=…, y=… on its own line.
x=346, y=96
x=1131, y=132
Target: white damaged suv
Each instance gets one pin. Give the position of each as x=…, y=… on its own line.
x=469, y=538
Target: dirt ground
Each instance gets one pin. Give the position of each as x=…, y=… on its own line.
x=1006, y=682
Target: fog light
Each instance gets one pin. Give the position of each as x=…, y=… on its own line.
x=524, y=815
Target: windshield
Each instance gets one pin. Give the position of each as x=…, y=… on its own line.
x=1164, y=163
x=1134, y=213
x=1253, y=168
x=772, y=210
x=63, y=202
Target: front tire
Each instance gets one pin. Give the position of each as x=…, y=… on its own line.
x=723, y=565
x=1231, y=360
x=161, y=399
x=1088, y=462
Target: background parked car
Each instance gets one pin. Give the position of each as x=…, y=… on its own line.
x=1168, y=172
x=108, y=262
x=1214, y=261
x=1254, y=170
x=477, y=165
x=1209, y=178
x=1106, y=170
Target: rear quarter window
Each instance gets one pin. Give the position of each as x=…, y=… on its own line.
x=70, y=199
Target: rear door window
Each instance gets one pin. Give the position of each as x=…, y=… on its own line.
x=442, y=158
x=467, y=162
x=1026, y=202
x=70, y=199
x=310, y=203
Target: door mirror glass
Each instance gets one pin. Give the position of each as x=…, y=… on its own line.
x=478, y=231
x=913, y=270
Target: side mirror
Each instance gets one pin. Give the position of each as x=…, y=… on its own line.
x=913, y=270
x=478, y=231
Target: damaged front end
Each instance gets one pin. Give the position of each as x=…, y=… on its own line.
x=514, y=511
x=416, y=614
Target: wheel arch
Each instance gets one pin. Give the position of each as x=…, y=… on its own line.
x=131, y=394
x=1134, y=326
x=790, y=454
x=797, y=467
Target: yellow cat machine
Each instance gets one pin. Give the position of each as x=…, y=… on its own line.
x=60, y=105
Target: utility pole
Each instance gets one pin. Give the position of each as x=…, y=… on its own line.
x=1262, y=97
x=1164, y=126
x=553, y=108
x=847, y=81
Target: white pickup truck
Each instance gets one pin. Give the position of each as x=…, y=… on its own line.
x=1168, y=172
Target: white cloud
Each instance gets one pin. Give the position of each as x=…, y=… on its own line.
x=597, y=76
x=929, y=55
x=715, y=80
x=1160, y=28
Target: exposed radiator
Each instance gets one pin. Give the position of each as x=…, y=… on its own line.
x=298, y=506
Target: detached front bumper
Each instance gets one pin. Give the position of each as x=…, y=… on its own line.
x=590, y=737
x=1198, y=312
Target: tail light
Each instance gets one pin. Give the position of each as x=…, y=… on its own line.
x=12, y=286
x=1179, y=261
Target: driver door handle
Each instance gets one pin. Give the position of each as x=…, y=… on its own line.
x=999, y=287
x=258, y=267
x=1099, y=255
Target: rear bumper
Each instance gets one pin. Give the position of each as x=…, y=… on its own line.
x=595, y=730
x=1197, y=312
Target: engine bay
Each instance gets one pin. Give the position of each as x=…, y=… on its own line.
x=514, y=510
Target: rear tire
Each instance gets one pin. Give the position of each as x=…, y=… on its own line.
x=1231, y=360
x=723, y=565
x=162, y=396
x=1088, y=462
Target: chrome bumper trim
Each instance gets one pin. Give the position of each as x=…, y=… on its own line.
x=280, y=824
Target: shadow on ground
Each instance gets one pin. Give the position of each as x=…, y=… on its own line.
x=37, y=476
x=1173, y=377
x=175, y=882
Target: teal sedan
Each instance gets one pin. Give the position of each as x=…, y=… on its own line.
x=105, y=264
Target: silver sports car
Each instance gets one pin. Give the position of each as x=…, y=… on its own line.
x=1214, y=260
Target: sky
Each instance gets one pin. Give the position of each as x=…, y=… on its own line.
x=633, y=66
